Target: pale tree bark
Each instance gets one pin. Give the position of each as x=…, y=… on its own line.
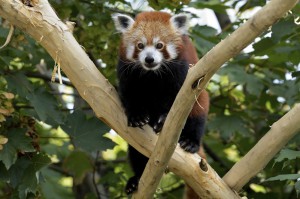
x=44, y=26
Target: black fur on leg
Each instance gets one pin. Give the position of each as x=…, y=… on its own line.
x=132, y=185
x=138, y=163
x=191, y=134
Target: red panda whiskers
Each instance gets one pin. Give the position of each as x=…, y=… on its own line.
x=167, y=67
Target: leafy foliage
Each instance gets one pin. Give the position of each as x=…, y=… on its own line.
x=52, y=146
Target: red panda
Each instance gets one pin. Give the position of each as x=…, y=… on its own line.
x=154, y=57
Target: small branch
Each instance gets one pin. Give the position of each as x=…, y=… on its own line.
x=224, y=20
x=215, y=157
x=258, y=157
x=94, y=176
x=56, y=167
x=47, y=78
x=54, y=137
x=9, y=36
x=204, y=69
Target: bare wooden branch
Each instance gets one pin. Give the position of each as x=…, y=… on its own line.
x=258, y=157
x=202, y=72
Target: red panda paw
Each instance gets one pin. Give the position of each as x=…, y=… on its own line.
x=132, y=185
x=189, y=145
x=138, y=121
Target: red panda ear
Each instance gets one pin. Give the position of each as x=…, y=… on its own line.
x=181, y=23
x=122, y=22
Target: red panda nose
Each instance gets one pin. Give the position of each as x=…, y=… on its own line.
x=149, y=60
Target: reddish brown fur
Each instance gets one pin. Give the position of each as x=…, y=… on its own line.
x=151, y=25
x=189, y=53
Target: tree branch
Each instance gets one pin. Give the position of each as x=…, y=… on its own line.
x=197, y=78
x=258, y=157
x=44, y=26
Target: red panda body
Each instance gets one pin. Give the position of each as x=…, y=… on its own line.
x=154, y=58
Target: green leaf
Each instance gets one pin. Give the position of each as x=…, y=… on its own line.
x=52, y=189
x=254, y=85
x=287, y=154
x=4, y=60
x=227, y=126
x=45, y=106
x=297, y=186
x=19, y=84
x=282, y=29
x=263, y=45
x=205, y=31
x=17, y=170
x=17, y=142
x=4, y=176
x=78, y=163
x=39, y=161
x=284, y=177
x=87, y=134
x=203, y=44
x=215, y=5
x=24, y=173
x=236, y=73
x=296, y=74
x=28, y=184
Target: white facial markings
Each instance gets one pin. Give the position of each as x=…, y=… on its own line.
x=130, y=51
x=171, y=48
x=144, y=40
x=155, y=40
x=150, y=51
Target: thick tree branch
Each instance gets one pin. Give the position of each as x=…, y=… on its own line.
x=197, y=78
x=258, y=157
x=45, y=27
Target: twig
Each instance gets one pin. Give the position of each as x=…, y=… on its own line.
x=215, y=157
x=48, y=78
x=94, y=176
x=9, y=36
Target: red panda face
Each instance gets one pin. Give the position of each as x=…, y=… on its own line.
x=152, y=39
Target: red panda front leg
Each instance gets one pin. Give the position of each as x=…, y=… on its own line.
x=192, y=132
x=138, y=163
x=137, y=116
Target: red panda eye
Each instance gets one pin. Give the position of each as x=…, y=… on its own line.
x=159, y=45
x=140, y=46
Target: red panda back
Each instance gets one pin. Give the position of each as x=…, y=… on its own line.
x=189, y=54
